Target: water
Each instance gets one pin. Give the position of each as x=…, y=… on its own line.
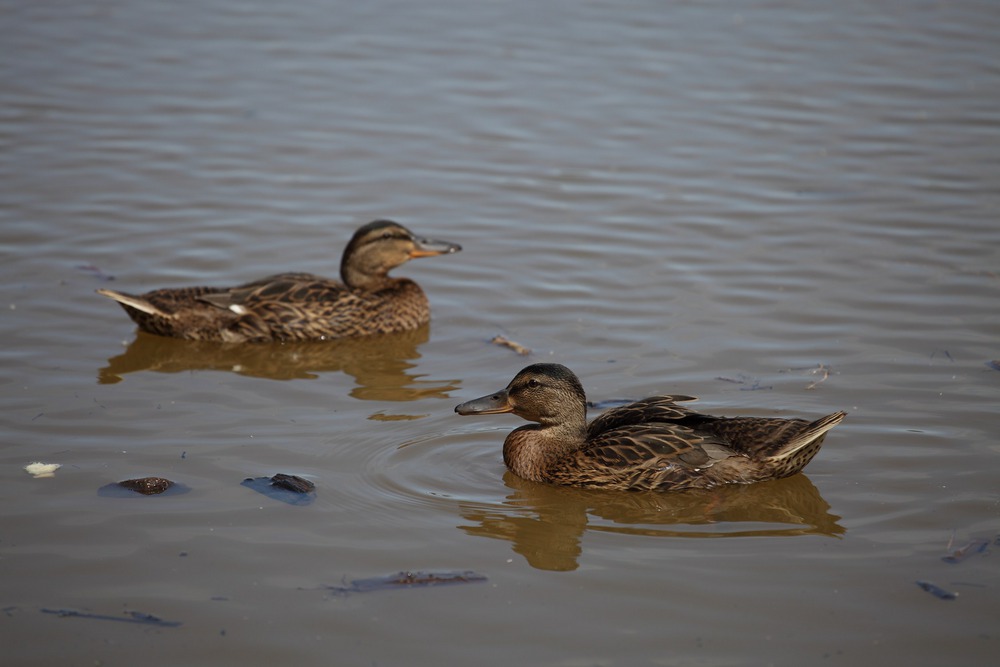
x=785, y=210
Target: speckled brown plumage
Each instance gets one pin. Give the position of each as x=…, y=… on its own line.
x=652, y=444
x=300, y=306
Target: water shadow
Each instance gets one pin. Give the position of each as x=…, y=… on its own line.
x=380, y=365
x=549, y=522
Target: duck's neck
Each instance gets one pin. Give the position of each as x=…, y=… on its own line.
x=530, y=451
x=363, y=280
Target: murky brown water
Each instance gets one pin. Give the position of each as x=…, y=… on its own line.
x=782, y=209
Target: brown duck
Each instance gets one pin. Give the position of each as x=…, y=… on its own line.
x=300, y=306
x=652, y=444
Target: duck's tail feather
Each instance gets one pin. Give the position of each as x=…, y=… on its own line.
x=809, y=434
x=136, y=302
x=799, y=450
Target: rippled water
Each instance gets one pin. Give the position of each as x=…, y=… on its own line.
x=782, y=209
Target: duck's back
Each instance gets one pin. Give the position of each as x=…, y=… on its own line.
x=653, y=409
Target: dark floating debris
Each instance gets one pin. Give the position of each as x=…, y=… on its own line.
x=95, y=271
x=743, y=379
x=383, y=417
x=147, y=486
x=976, y=546
x=408, y=579
x=503, y=341
x=994, y=364
x=130, y=617
x=936, y=590
x=293, y=483
x=290, y=489
x=944, y=353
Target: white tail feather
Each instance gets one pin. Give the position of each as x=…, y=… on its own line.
x=815, y=431
x=133, y=302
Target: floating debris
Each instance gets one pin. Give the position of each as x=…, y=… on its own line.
x=821, y=370
x=40, y=470
x=408, y=579
x=293, y=483
x=383, y=417
x=936, y=590
x=506, y=342
x=129, y=617
x=95, y=271
x=994, y=364
x=290, y=489
x=976, y=546
x=944, y=353
x=743, y=379
x=146, y=486
x=824, y=373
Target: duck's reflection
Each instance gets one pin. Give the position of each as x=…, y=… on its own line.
x=381, y=365
x=546, y=523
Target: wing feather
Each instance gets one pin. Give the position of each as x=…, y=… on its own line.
x=643, y=455
x=648, y=410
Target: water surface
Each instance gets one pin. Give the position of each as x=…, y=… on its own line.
x=782, y=209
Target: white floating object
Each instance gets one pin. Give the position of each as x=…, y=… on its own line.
x=39, y=470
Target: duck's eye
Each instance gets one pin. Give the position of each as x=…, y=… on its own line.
x=534, y=384
x=387, y=235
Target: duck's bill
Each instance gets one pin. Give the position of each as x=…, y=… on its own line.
x=487, y=405
x=430, y=248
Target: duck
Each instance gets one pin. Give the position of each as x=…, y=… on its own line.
x=655, y=444
x=300, y=306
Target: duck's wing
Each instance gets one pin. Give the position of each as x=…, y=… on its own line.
x=643, y=456
x=293, y=306
x=289, y=288
x=659, y=409
x=656, y=445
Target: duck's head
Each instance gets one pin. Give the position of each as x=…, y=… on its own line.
x=549, y=394
x=382, y=245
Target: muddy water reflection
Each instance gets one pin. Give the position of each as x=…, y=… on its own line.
x=380, y=365
x=551, y=521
